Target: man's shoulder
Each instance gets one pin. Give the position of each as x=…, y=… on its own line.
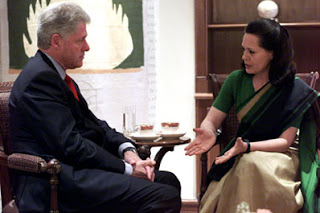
x=35, y=66
x=34, y=69
x=36, y=62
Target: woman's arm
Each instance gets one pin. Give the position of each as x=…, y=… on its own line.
x=206, y=134
x=280, y=144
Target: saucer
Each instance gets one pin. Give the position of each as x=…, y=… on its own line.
x=171, y=135
x=146, y=137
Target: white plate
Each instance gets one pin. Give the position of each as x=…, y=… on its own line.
x=171, y=135
x=139, y=137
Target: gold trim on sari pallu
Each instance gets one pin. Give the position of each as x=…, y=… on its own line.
x=252, y=102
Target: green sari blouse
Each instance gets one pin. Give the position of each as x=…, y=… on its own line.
x=236, y=90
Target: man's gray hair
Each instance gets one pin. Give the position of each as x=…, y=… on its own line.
x=62, y=18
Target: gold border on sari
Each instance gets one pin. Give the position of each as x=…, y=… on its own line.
x=252, y=102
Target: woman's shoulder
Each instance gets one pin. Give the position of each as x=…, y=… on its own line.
x=238, y=75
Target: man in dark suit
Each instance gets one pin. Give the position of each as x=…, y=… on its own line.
x=100, y=168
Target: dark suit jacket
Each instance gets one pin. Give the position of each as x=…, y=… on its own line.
x=46, y=120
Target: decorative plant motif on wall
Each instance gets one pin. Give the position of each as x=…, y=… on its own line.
x=115, y=33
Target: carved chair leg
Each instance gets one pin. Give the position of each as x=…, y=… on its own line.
x=54, y=169
x=203, y=184
x=5, y=191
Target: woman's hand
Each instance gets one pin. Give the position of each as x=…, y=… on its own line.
x=239, y=147
x=203, y=142
x=206, y=136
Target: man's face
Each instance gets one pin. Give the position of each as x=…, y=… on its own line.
x=73, y=48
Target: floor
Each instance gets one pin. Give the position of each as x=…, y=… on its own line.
x=187, y=206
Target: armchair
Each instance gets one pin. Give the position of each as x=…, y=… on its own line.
x=229, y=127
x=226, y=132
x=17, y=161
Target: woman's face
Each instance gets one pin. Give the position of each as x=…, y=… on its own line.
x=256, y=59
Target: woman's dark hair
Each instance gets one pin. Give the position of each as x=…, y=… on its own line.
x=274, y=37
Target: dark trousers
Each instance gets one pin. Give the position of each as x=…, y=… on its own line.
x=143, y=196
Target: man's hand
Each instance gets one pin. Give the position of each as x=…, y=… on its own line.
x=131, y=157
x=203, y=142
x=144, y=169
x=141, y=168
x=239, y=147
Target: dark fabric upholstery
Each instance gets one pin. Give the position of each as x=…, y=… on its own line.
x=5, y=88
x=15, y=161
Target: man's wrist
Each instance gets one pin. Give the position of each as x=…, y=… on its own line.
x=132, y=149
x=124, y=146
x=128, y=170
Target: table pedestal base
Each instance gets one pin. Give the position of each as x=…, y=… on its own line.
x=166, y=145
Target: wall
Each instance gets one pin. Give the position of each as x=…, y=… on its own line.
x=176, y=83
x=3, y=37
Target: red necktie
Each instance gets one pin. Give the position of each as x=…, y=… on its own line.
x=70, y=84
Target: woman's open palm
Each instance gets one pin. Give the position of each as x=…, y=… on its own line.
x=203, y=142
x=239, y=147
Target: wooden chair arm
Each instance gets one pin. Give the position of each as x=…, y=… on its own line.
x=35, y=164
x=27, y=163
x=203, y=170
x=32, y=163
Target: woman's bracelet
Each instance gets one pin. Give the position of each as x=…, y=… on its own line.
x=248, y=147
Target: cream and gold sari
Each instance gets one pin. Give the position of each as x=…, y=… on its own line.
x=269, y=180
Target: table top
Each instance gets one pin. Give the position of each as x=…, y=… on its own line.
x=165, y=142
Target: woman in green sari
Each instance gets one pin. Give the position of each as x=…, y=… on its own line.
x=260, y=166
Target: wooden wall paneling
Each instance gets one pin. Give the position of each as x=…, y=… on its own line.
x=202, y=85
x=203, y=103
x=201, y=37
x=306, y=45
x=244, y=11
x=202, y=107
x=298, y=11
x=231, y=11
x=201, y=57
x=226, y=50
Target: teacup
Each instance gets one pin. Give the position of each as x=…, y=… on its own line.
x=145, y=129
x=169, y=126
